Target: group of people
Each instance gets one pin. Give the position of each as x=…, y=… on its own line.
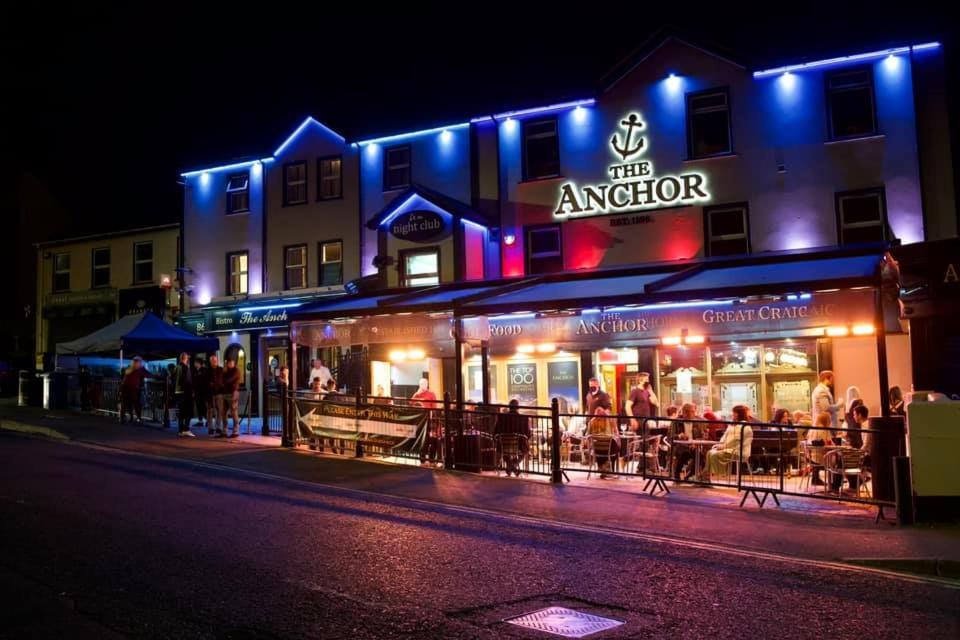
x=202, y=389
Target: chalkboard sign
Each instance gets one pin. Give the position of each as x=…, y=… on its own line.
x=421, y=225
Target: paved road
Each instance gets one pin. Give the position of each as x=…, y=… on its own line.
x=103, y=544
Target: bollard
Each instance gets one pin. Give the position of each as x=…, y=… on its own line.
x=903, y=490
x=556, y=476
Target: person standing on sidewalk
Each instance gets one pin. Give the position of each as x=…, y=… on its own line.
x=131, y=386
x=200, y=382
x=596, y=398
x=216, y=416
x=183, y=395
x=230, y=396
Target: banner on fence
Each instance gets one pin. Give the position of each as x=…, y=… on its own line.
x=349, y=421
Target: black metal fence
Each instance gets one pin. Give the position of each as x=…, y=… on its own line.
x=762, y=460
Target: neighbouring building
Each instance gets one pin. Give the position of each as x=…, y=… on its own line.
x=88, y=282
x=725, y=230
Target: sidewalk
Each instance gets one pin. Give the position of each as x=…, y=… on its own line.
x=802, y=528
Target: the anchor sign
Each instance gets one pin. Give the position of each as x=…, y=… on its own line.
x=625, y=150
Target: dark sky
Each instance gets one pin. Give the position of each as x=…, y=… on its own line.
x=104, y=107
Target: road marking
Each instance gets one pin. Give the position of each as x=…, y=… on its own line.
x=404, y=501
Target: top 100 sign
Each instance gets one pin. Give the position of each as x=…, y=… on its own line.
x=632, y=182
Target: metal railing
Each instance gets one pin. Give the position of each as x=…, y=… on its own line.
x=756, y=458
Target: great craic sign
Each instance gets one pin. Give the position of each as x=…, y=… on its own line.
x=630, y=325
x=421, y=225
x=633, y=183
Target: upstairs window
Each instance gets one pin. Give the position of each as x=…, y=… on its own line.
x=237, y=275
x=420, y=267
x=544, y=249
x=329, y=178
x=861, y=216
x=708, y=124
x=727, y=230
x=295, y=267
x=294, y=183
x=541, y=149
x=143, y=262
x=331, y=263
x=851, y=111
x=238, y=193
x=396, y=168
x=100, y=275
x=61, y=272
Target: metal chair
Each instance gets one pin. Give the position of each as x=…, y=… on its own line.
x=511, y=447
x=599, y=445
x=646, y=449
x=846, y=463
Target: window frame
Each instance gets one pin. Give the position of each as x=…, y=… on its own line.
x=525, y=169
x=306, y=183
x=303, y=267
x=229, y=192
x=136, y=262
x=320, y=161
x=883, y=223
x=53, y=281
x=94, y=267
x=402, y=256
x=528, y=256
x=828, y=93
x=320, y=262
x=229, y=270
x=387, y=167
x=690, y=97
x=727, y=206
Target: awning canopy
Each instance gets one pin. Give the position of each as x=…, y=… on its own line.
x=705, y=279
x=138, y=334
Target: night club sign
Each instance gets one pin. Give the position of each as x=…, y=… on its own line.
x=633, y=184
x=421, y=225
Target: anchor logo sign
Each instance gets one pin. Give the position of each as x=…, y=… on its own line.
x=624, y=149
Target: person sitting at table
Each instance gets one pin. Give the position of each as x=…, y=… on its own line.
x=821, y=435
x=603, y=425
x=685, y=454
x=782, y=416
x=513, y=422
x=671, y=414
x=714, y=428
x=728, y=449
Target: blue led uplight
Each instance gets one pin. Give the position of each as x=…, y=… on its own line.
x=858, y=57
x=225, y=167
x=444, y=131
x=561, y=106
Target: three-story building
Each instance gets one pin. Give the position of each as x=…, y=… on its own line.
x=684, y=162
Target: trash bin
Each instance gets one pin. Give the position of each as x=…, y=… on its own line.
x=54, y=390
x=26, y=392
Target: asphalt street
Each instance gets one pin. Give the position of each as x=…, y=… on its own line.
x=102, y=544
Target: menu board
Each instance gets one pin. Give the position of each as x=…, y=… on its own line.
x=522, y=383
x=563, y=382
x=734, y=393
x=792, y=394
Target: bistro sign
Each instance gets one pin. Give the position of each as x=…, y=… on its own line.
x=632, y=182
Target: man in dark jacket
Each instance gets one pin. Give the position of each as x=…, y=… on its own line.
x=230, y=396
x=513, y=422
x=183, y=395
x=216, y=416
x=596, y=398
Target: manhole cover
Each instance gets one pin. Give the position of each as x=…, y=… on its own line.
x=564, y=622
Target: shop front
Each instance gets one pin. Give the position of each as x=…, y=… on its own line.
x=255, y=334
x=715, y=335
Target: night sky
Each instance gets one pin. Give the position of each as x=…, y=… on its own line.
x=112, y=105
x=105, y=107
